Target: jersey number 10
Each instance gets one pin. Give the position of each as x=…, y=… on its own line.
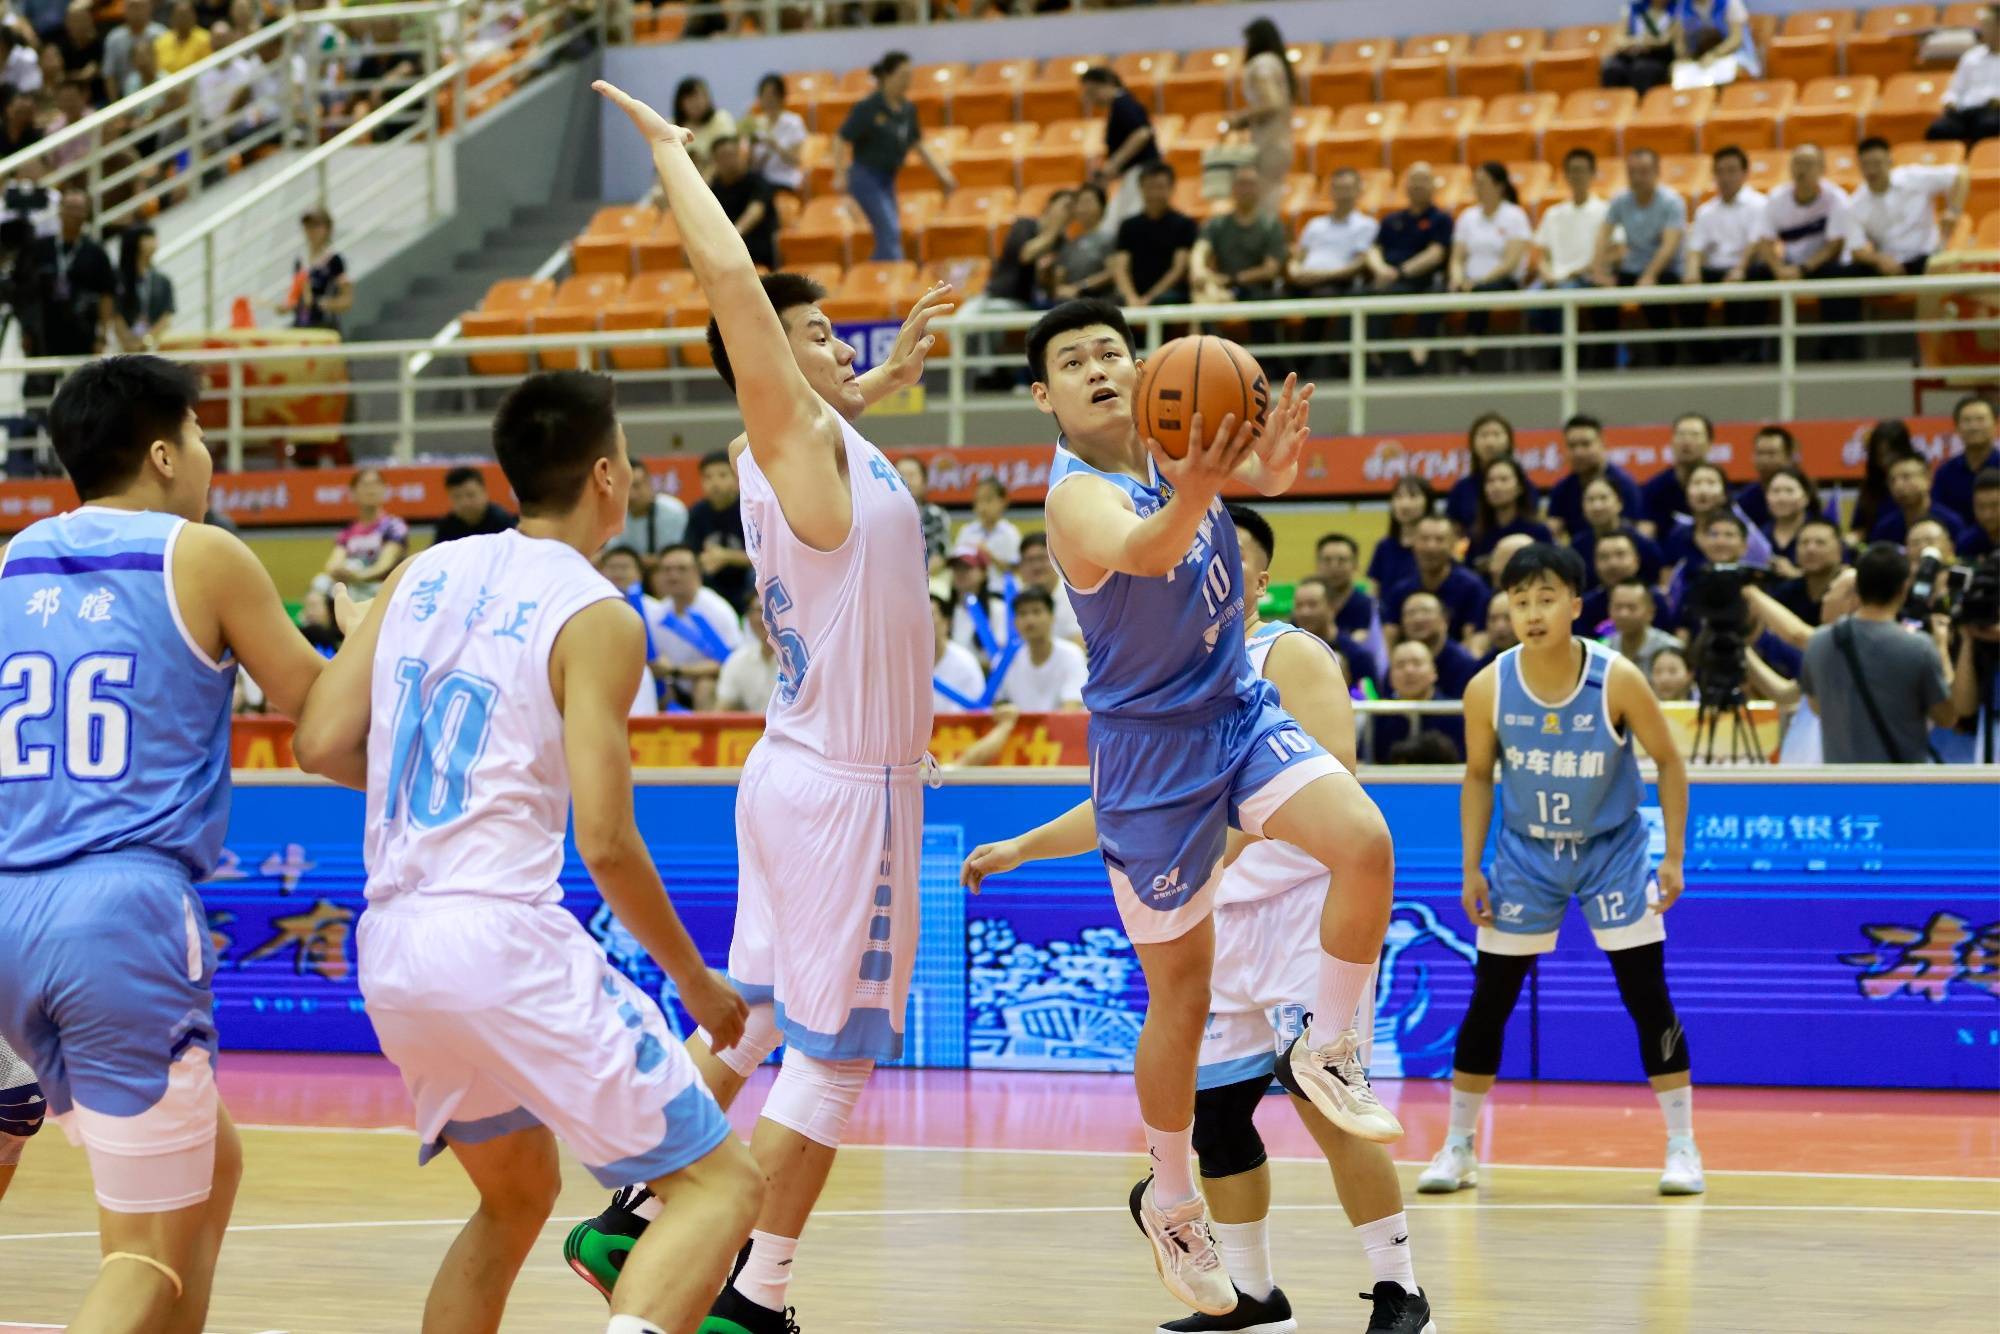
x=97, y=729
x=436, y=743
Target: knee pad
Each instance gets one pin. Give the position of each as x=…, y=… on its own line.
x=760, y=1038
x=1496, y=986
x=816, y=1097
x=21, y=1111
x=1642, y=984
x=1226, y=1142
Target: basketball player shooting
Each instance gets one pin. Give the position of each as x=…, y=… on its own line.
x=829, y=810
x=1186, y=741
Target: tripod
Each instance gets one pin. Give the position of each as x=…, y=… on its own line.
x=1728, y=703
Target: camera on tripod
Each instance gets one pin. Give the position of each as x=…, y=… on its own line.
x=1715, y=603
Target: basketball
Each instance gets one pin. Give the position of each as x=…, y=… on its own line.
x=1200, y=373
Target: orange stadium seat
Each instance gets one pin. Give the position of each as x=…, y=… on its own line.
x=517, y=295
x=1888, y=40
x=601, y=254
x=1203, y=82
x=659, y=248
x=1511, y=128
x=916, y=208
x=1532, y=178
x=1197, y=135
x=1299, y=200
x=1376, y=187
x=1057, y=92
x=1769, y=168
x=1942, y=153
x=1498, y=62
x=967, y=275
x=1348, y=73
x=835, y=102
x=621, y=220
x=1808, y=46
x=627, y=316
x=692, y=314
x=993, y=155
x=970, y=224
x=495, y=324
x=1034, y=199
x=1985, y=165
x=1435, y=131
x=577, y=307
x=1592, y=118
x=1143, y=71
x=824, y=231
x=1843, y=166
x=1308, y=124
x=1689, y=175
x=803, y=90
x=1422, y=69
x=816, y=160
x=665, y=288
x=1083, y=134
x=1360, y=137
x=1059, y=160
x=992, y=91
x=931, y=89
x=1454, y=185
x=1749, y=114
x=1830, y=111
x=1961, y=14
x=1669, y=119
x=1908, y=105
x=945, y=144
x=1572, y=60
x=1304, y=58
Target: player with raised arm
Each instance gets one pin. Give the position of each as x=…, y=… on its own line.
x=1266, y=969
x=122, y=624
x=1186, y=741
x=1558, y=715
x=829, y=810
x=484, y=690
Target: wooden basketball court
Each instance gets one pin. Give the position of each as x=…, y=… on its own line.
x=981, y=1202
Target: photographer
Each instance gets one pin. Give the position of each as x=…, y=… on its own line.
x=1881, y=714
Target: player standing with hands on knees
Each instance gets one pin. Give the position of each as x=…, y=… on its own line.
x=1558, y=715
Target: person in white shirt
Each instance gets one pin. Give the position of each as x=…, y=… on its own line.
x=989, y=532
x=1726, y=244
x=1489, y=243
x=1038, y=571
x=1894, y=226
x=1807, y=216
x=957, y=683
x=695, y=631
x=776, y=136
x=226, y=93
x=1047, y=675
x=749, y=676
x=1332, y=257
x=1565, y=244
x=621, y=566
x=1972, y=100
x=981, y=618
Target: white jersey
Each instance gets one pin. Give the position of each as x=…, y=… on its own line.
x=1267, y=867
x=468, y=787
x=852, y=626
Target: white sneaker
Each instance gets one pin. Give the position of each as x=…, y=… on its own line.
x=1332, y=1080
x=1455, y=1167
x=1184, y=1251
x=1683, y=1172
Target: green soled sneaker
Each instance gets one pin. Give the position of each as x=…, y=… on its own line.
x=733, y=1313
x=596, y=1249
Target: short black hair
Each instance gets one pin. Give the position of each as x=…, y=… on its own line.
x=1987, y=480
x=660, y=556
x=1583, y=421
x=621, y=548
x=1157, y=167
x=785, y=291
x=772, y=80
x=941, y=604
x=1103, y=74
x=1539, y=558
x=462, y=474
x=1037, y=539
x=1037, y=596
x=713, y=457
x=1784, y=434
x=1342, y=538
x=1729, y=151
x=1249, y=523
x=993, y=483
x=1870, y=144
x=1643, y=152
x=1617, y=535
x=1730, y=517
x=1580, y=152
x=1087, y=188
x=1634, y=582
x=1067, y=318
x=1918, y=459
x=1958, y=408
x=107, y=415
x=1821, y=521
x=890, y=62
x=1880, y=573
x=1706, y=425
x=550, y=431
x=1430, y=515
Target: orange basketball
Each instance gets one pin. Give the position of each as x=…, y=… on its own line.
x=1204, y=374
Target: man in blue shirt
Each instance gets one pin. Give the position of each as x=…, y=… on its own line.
x=1639, y=246
x=1408, y=257
x=1583, y=438
x=1462, y=593
x=1664, y=495
x=1336, y=560
x=1951, y=489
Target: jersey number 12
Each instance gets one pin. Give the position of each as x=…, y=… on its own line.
x=1554, y=807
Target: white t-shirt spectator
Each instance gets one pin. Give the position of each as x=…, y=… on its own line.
x=787, y=132
x=1976, y=81
x=964, y=630
x=1486, y=237
x=748, y=679
x=662, y=526
x=1568, y=236
x=1050, y=686
x=1724, y=230
x=1328, y=243
x=683, y=647
x=959, y=670
x=216, y=88
x=1802, y=229
x=1001, y=542
x=1901, y=222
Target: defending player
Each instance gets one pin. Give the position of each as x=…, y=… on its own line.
x=487, y=685
x=1558, y=715
x=21, y=1112
x=122, y=624
x=1185, y=742
x=1266, y=968
x=829, y=811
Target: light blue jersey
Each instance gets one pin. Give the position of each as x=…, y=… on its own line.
x=114, y=724
x=1565, y=772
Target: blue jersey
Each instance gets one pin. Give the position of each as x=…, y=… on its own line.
x=1168, y=646
x=114, y=724
x=1564, y=771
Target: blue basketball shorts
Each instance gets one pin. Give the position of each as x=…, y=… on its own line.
x=1534, y=879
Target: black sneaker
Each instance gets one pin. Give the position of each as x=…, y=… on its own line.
x=596, y=1249
x=1397, y=1312
x=1272, y=1315
x=733, y=1313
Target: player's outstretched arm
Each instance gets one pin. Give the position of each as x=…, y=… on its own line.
x=1070, y=834
x=1635, y=708
x=1475, y=798
x=914, y=341
x=228, y=601
x=594, y=671
x=332, y=736
x=1307, y=676
x=1092, y=523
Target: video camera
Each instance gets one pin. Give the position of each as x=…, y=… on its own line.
x=1715, y=603
x=1969, y=594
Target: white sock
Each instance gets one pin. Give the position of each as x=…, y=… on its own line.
x=648, y=1208
x=1173, y=1182
x=1465, y=1114
x=1337, y=998
x=768, y=1270
x=1677, y=1105
x=1387, y=1241
x=632, y=1324
x=1246, y=1254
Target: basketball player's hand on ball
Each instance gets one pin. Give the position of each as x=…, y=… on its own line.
x=1211, y=460
x=990, y=859
x=717, y=1008
x=914, y=340
x=1477, y=896
x=656, y=128
x=1671, y=884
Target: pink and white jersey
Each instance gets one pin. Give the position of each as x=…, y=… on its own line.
x=1267, y=867
x=468, y=787
x=852, y=626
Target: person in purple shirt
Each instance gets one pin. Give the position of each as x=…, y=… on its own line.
x=1708, y=497
x=1583, y=440
x=1462, y=592
x=1663, y=497
x=1604, y=515
x=1951, y=489
x=1392, y=561
x=1982, y=536
x=1910, y=504
x=1792, y=502
x=1503, y=510
x=1423, y=620
x=1617, y=560
x=1490, y=437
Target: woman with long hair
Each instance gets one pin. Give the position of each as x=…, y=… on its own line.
x=777, y=137
x=1887, y=441
x=1393, y=561
x=145, y=302
x=1503, y=509
x=1489, y=244
x=1603, y=516
x=1490, y=437
x=695, y=109
x=1270, y=90
x=1793, y=501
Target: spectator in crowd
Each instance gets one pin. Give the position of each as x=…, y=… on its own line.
x=696, y=112
x=1639, y=246
x=1617, y=557
x=1413, y=677
x=620, y=565
x=1038, y=571
x=958, y=685
x=322, y=289
x=227, y=93
x=1910, y=503
x=1982, y=535
x=697, y=629
x=1412, y=245
x=1423, y=621
x=17, y=125
x=1671, y=677
x=1952, y=488
x=1504, y=510
x=1972, y=99
x=777, y=137
x=1130, y=145
x=1773, y=448
x=54, y=76
x=989, y=531
x=1631, y=608
x=144, y=307
x=749, y=676
x=1713, y=31
x=1270, y=88
x=1499, y=635
x=1149, y=264
x=1664, y=495
x=1707, y=496
x=1642, y=57
x=869, y=150
x=1723, y=539
x=1816, y=559
x=1807, y=218
x=1489, y=243
x=76, y=285
x=937, y=524
x=81, y=44
x=20, y=62
x=747, y=198
x=1081, y=266
x=1727, y=244
x=143, y=74
x=1793, y=502
x=715, y=530
x=1332, y=254
x=1583, y=441
x=1565, y=249
x=1879, y=713
x=138, y=31
x=1240, y=255
x=981, y=616
x=1463, y=594
x=184, y=43
x=1047, y=673
x=72, y=105
x=1896, y=227
x=389, y=66
x=1888, y=441
x=317, y=624
x=1490, y=437
x=1011, y=285
x=366, y=550
x=1312, y=611
x=1931, y=534
x=472, y=513
x=1605, y=517
x=1336, y=560
x=1394, y=558
x=654, y=520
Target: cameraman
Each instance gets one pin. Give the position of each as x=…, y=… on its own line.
x=1880, y=714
